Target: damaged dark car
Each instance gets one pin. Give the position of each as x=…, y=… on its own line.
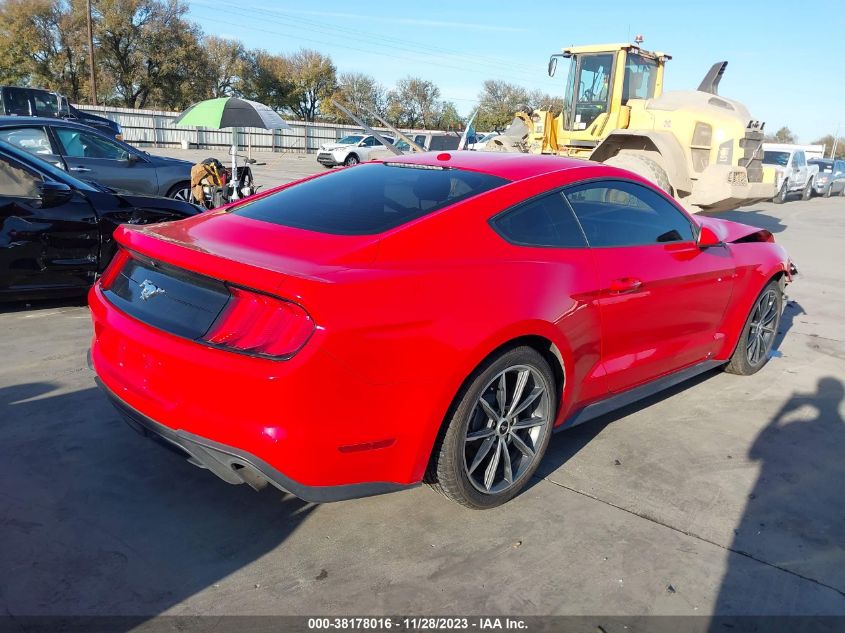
x=56, y=230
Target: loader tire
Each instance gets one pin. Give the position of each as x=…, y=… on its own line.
x=642, y=166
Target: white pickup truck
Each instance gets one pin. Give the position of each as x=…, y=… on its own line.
x=792, y=172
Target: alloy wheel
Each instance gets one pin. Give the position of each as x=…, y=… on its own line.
x=506, y=429
x=182, y=194
x=762, y=328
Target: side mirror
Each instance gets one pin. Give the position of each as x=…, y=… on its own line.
x=707, y=238
x=53, y=194
x=132, y=159
x=552, y=66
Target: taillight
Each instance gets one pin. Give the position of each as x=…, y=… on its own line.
x=259, y=324
x=113, y=269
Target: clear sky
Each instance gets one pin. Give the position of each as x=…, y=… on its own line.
x=785, y=56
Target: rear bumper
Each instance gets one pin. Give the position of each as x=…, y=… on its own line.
x=236, y=466
x=311, y=426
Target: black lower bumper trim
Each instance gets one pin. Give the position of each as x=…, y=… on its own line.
x=236, y=466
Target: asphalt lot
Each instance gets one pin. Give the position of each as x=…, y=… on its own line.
x=723, y=495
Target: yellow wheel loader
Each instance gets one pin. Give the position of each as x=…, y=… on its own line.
x=697, y=145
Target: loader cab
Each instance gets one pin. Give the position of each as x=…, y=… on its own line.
x=601, y=80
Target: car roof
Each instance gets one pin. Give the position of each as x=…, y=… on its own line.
x=6, y=121
x=508, y=165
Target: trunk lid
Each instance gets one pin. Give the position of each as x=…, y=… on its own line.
x=250, y=252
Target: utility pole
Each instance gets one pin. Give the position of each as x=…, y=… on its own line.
x=835, y=141
x=91, y=56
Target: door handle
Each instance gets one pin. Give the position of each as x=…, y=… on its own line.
x=625, y=284
x=79, y=169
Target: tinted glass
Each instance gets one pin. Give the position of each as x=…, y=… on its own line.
x=545, y=221
x=16, y=180
x=367, y=199
x=16, y=101
x=79, y=144
x=444, y=142
x=46, y=104
x=776, y=158
x=31, y=139
x=825, y=166
x=627, y=214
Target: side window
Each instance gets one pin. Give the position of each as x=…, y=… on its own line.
x=419, y=139
x=545, y=221
x=800, y=161
x=370, y=141
x=78, y=144
x=17, y=181
x=46, y=104
x=16, y=101
x=31, y=139
x=618, y=213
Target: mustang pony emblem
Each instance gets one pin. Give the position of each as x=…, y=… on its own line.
x=149, y=290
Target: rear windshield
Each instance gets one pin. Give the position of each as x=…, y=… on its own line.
x=776, y=158
x=367, y=199
x=824, y=165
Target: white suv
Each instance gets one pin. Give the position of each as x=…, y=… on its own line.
x=350, y=150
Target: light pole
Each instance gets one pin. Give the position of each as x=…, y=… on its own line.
x=91, y=56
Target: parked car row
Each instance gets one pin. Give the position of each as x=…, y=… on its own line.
x=794, y=173
x=359, y=148
x=56, y=230
x=90, y=154
x=16, y=101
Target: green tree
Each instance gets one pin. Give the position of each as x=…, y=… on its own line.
x=265, y=78
x=226, y=59
x=783, y=135
x=448, y=117
x=357, y=92
x=828, y=141
x=42, y=44
x=314, y=79
x=414, y=102
x=498, y=101
x=149, y=53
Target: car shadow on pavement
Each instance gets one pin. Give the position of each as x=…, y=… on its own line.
x=794, y=519
x=8, y=307
x=97, y=520
x=569, y=441
x=751, y=217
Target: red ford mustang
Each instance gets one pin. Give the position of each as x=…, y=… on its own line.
x=431, y=318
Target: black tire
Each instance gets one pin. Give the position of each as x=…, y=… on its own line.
x=352, y=159
x=828, y=191
x=782, y=194
x=180, y=191
x=644, y=167
x=743, y=362
x=450, y=471
x=808, y=191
